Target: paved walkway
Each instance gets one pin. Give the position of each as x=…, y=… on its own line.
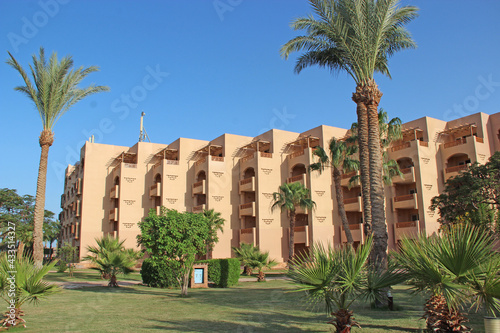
x=103, y=283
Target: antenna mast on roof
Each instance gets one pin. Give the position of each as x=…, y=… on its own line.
x=143, y=135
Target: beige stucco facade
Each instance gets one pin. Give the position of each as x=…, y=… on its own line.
x=112, y=188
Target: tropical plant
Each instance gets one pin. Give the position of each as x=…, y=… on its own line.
x=245, y=254
x=289, y=197
x=338, y=277
x=178, y=237
x=259, y=261
x=358, y=37
x=214, y=218
x=54, y=91
x=111, y=258
x=339, y=157
x=21, y=282
x=51, y=231
x=457, y=268
x=66, y=256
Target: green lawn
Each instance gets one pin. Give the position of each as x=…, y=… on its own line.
x=248, y=307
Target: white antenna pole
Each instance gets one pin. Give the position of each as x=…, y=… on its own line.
x=143, y=135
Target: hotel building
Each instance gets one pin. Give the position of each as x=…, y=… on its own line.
x=112, y=188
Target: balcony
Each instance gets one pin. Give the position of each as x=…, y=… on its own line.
x=406, y=229
x=247, y=209
x=113, y=214
x=155, y=190
x=346, y=177
x=78, y=185
x=296, y=154
x=114, y=193
x=78, y=208
x=469, y=145
x=408, y=176
x=454, y=170
x=158, y=210
x=301, y=235
x=407, y=201
x=247, y=185
x=353, y=204
x=77, y=231
x=199, y=209
x=356, y=232
x=248, y=236
x=199, y=188
x=299, y=178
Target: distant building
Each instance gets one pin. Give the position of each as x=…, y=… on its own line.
x=112, y=188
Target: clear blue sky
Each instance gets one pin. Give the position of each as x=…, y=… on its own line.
x=218, y=70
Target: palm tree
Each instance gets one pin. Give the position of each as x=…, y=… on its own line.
x=245, y=253
x=457, y=268
x=214, y=218
x=338, y=277
x=260, y=260
x=339, y=158
x=289, y=197
x=358, y=37
x=54, y=91
x=111, y=258
x=28, y=284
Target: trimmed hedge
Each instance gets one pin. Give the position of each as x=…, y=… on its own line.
x=160, y=273
x=223, y=273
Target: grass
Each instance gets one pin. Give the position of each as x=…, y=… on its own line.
x=248, y=307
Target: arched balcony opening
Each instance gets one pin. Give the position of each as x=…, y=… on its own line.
x=201, y=176
x=249, y=173
x=298, y=169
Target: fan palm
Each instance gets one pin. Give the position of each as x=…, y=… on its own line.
x=457, y=268
x=358, y=37
x=289, y=197
x=27, y=285
x=337, y=277
x=54, y=91
x=214, y=218
x=340, y=158
x=261, y=260
x=245, y=253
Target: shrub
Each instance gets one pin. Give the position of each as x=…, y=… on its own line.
x=160, y=273
x=223, y=273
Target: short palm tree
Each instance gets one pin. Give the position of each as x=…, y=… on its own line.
x=358, y=37
x=111, y=258
x=339, y=157
x=245, y=253
x=457, y=268
x=54, y=91
x=289, y=197
x=337, y=277
x=261, y=260
x=26, y=285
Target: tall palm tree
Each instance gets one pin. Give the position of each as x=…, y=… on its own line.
x=54, y=91
x=289, y=197
x=358, y=37
x=340, y=158
x=460, y=267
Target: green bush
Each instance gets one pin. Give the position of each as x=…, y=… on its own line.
x=160, y=273
x=223, y=273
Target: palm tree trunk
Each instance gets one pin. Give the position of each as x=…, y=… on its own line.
x=46, y=139
x=379, y=225
x=340, y=205
x=20, y=249
x=362, y=113
x=291, y=244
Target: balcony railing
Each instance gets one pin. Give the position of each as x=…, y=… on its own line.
x=198, y=209
x=356, y=233
x=457, y=168
x=407, y=201
x=200, y=161
x=218, y=158
x=114, y=192
x=247, y=158
x=301, y=235
x=298, y=178
x=130, y=165
x=247, y=185
x=408, y=176
x=113, y=214
x=155, y=190
x=458, y=142
x=296, y=154
x=351, y=200
x=172, y=162
x=409, y=229
x=247, y=235
x=266, y=155
x=247, y=209
x=199, y=187
x=401, y=146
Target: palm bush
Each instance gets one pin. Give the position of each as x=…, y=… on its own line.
x=458, y=268
x=252, y=258
x=338, y=277
x=21, y=282
x=244, y=253
x=111, y=258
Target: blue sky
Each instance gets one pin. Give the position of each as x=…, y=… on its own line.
x=203, y=68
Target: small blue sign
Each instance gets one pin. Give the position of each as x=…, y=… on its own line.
x=199, y=275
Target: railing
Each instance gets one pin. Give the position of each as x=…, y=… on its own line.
x=246, y=231
x=403, y=197
x=218, y=158
x=458, y=142
x=401, y=146
x=423, y=143
x=351, y=200
x=245, y=181
x=481, y=140
x=198, y=184
x=172, y=162
x=200, y=161
x=410, y=224
x=267, y=155
x=296, y=154
x=130, y=165
x=406, y=170
x=354, y=226
x=349, y=175
x=247, y=205
x=299, y=229
x=198, y=208
x=153, y=187
x=247, y=158
x=457, y=168
x=296, y=178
